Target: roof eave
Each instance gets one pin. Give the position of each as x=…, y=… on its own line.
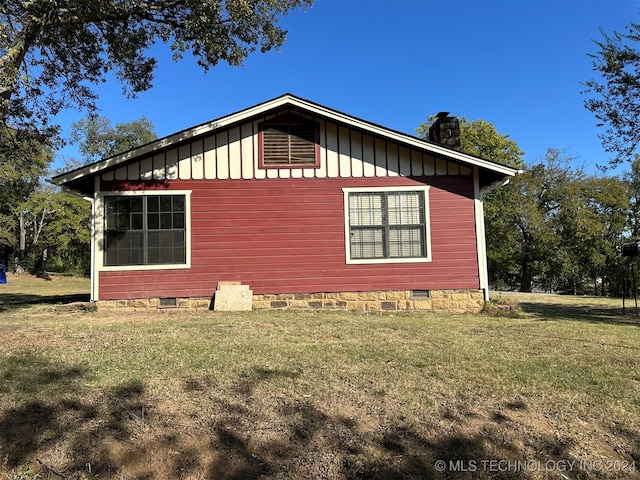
x=74, y=176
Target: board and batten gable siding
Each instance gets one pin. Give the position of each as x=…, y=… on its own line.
x=233, y=154
x=288, y=236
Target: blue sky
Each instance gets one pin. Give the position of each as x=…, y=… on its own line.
x=517, y=64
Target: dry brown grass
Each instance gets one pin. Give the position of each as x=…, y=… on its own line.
x=175, y=394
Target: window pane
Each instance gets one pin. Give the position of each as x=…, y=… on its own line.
x=406, y=242
x=135, y=204
x=136, y=221
x=179, y=250
x=131, y=241
x=178, y=203
x=165, y=221
x=153, y=204
x=405, y=208
x=153, y=240
x=178, y=220
x=387, y=224
x=166, y=247
x=367, y=243
x=165, y=203
x=123, y=213
x=153, y=221
x=366, y=209
x=112, y=221
x=124, y=248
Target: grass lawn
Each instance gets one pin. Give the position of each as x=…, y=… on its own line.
x=552, y=393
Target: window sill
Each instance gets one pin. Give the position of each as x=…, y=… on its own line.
x=290, y=166
x=124, y=268
x=375, y=261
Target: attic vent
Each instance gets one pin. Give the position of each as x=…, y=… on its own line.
x=289, y=143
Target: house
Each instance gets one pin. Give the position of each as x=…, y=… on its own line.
x=292, y=204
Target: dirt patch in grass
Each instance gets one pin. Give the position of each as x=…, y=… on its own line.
x=553, y=393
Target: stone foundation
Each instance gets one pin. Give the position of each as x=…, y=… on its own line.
x=145, y=303
x=452, y=301
x=449, y=301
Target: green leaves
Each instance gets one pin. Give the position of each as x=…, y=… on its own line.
x=481, y=139
x=97, y=139
x=556, y=228
x=553, y=227
x=615, y=96
x=42, y=227
x=70, y=46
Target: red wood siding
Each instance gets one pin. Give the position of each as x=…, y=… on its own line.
x=287, y=236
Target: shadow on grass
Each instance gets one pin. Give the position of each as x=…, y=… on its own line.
x=31, y=421
x=12, y=301
x=51, y=411
x=583, y=313
x=123, y=433
x=309, y=443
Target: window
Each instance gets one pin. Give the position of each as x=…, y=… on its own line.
x=387, y=225
x=145, y=230
x=289, y=142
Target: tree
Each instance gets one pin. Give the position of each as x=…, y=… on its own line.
x=97, y=139
x=65, y=238
x=534, y=198
x=632, y=181
x=41, y=227
x=504, y=238
x=59, y=233
x=52, y=52
x=590, y=222
x=21, y=171
x=610, y=204
x=615, y=98
x=553, y=227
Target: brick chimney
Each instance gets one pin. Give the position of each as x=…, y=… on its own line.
x=445, y=131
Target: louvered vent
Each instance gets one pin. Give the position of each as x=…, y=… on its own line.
x=289, y=144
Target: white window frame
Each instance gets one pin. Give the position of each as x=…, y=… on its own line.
x=347, y=229
x=100, y=231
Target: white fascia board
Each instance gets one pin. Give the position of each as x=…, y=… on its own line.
x=404, y=138
x=171, y=140
x=285, y=100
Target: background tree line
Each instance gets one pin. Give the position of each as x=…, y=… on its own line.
x=554, y=227
x=41, y=227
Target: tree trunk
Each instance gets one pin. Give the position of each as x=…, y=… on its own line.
x=41, y=270
x=22, y=246
x=11, y=61
x=38, y=224
x=527, y=275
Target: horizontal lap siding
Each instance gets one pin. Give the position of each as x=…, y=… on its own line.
x=287, y=236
